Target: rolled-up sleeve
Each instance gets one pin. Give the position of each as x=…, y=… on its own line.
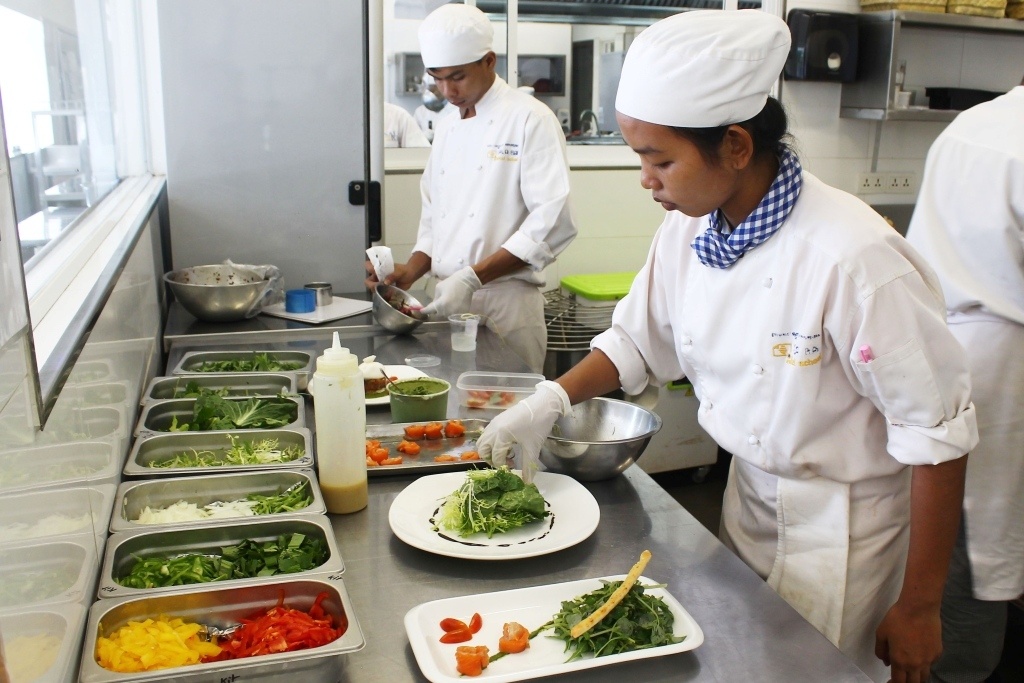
x=548, y=227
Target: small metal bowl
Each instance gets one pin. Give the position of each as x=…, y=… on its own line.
x=216, y=293
x=599, y=439
x=387, y=299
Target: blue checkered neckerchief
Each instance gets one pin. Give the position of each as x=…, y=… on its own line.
x=717, y=250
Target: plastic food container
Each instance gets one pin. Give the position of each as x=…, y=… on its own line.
x=43, y=644
x=124, y=549
x=222, y=607
x=48, y=513
x=495, y=390
x=429, y=406
x=133, y=497
x=75, y=463
x=34, y=574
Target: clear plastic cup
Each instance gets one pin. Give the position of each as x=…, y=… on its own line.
x=464, y=327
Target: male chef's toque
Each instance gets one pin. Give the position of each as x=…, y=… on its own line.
x=454, y=294
x=527, y=423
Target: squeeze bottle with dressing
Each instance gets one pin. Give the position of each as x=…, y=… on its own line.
x=340, y=411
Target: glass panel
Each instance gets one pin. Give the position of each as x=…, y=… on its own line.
x=57, y=113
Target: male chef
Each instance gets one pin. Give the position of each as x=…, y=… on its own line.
x=969, y=224
x=495, y=190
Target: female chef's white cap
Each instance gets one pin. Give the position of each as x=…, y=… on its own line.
x=703, y=69
x=453, y=35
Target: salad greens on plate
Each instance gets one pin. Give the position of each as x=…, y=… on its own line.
x=492, y=501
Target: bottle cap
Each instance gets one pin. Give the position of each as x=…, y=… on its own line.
x=337, y=360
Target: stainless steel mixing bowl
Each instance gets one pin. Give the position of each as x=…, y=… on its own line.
x=599, y=439
x=216, y=293
x=387, y=299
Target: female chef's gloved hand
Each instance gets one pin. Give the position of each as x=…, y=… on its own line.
x=527, y=423
x=454, y=293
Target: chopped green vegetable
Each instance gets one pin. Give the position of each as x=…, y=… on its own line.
x=211, y=411
x=492, y=501
x=295, y=497
x=241, y=452
x=193, y=390
x=287, y=554
x=260, y=362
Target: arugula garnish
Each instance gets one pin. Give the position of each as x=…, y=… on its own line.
x=492, y=501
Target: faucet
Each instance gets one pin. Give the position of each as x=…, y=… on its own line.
x=589, y=116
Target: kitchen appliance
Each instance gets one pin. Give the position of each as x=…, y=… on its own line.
x=824, y=46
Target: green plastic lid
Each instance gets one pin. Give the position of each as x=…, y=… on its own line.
x=599, y=286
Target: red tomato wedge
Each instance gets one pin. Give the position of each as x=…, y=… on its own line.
x=514, y=638
x=450, y=624
x=475, y=623
x=471, y=660
x=458, y=635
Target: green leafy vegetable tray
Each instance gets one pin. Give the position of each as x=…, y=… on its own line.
x=159, y=416
x=152, y=447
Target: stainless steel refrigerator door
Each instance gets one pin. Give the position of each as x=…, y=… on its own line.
x=264, y=111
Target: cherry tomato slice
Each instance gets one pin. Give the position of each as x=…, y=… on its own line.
x=450, y=624
x=475, y=623
x=459, y=635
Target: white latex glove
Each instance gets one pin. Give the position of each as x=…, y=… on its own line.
x=527, y=423
x=454, y=294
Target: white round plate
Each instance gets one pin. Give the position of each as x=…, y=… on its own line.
x=398, y=372
x=574, y=516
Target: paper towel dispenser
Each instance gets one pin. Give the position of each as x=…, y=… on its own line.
x=824, y=46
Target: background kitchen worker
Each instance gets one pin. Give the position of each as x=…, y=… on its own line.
x=495, y=189
x=814, y=337
x=433, y=108
x=401, y=129
x=969, y=224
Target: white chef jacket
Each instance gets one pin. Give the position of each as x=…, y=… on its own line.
x=772, y=347
x=969, y=224
x=498, y=179
x=401, y=129
x=427, y=119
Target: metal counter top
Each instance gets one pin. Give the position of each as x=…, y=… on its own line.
x=751, y=634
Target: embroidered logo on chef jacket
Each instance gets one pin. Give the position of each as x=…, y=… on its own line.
x=798, y=349
x=508, y=151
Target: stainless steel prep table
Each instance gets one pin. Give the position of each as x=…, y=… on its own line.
x=751, y=634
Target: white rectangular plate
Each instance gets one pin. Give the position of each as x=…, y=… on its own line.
x=531, y=607
x=337, y=309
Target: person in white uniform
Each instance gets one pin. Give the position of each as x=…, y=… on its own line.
x=495, y=190
x=433, y=108
x=401, y=129
x=814, y=337
x=969, y=224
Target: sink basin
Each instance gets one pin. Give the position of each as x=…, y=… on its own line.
x=604, y=139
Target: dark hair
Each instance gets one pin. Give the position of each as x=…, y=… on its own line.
x=769, y=131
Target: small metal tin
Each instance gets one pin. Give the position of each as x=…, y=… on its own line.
x=73, y=463
x=151, y=447
x=192, y=360
x=86, y=509
x=49, y=573
x=324, y=292
x=124, y=549
x=133, y=497
x=222, y=607
x=61, y=622
x=158, y=415
x=241, y=384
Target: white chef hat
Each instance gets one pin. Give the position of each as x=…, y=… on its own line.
x=453, y=35
x=704, y=68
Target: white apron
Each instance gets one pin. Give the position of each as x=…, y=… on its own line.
x=835, y=552
x=994, y=490
x=515, y=312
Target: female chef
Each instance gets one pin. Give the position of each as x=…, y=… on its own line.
x=814, y=337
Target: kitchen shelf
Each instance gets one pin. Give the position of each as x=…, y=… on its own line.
x=882, y=52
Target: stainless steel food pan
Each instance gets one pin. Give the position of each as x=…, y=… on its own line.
x=133, y=497
x=221, y=607
x=124, y=549
x=390, y=435
x=74, y=463
x=192, y=361
x=241, y=384
x=157, y=415
x=152, y=448
x=99, y=394
x=62, y=623
x=56, y=512
x=34, y=574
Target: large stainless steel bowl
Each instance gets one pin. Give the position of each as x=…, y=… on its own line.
x=387, y=300
x=216, y=293
x=599, y=439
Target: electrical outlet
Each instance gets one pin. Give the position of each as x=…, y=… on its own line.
x=904, y=182
x=872, y=183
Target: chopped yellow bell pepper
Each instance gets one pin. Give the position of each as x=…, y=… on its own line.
x=153, y=644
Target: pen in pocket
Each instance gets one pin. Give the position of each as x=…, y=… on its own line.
x=865, y=354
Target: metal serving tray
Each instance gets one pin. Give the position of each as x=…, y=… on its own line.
x=221, y=607
x=34, y=574
x=240, y=384
x=123, y=549
x=63, y=623
x=157, y=415
x=133, y=497
x=75, y=463
x=156, y=447
x=87, y=510
x=390, y=435
x=192, y=360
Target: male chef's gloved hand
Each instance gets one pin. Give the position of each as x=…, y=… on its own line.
x=527, y=423
x=454, y=294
